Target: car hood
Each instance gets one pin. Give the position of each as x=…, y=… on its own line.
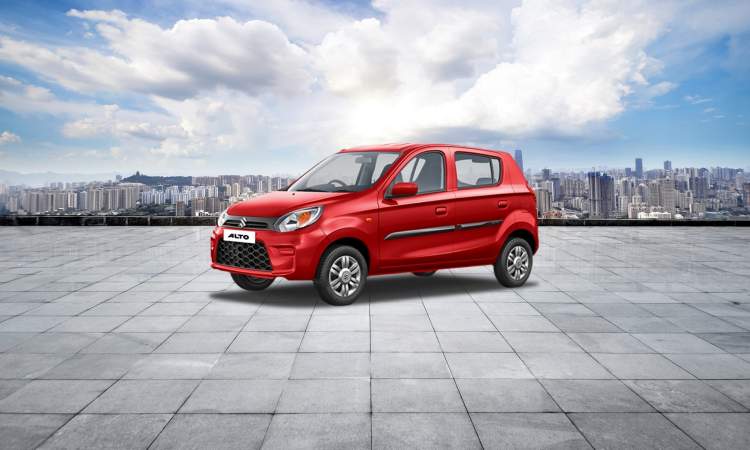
x=278, y=203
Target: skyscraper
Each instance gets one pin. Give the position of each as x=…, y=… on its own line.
x=667, y=166
x=639, y=168
x=601, y=194
x=545, y=174
x=519, y=158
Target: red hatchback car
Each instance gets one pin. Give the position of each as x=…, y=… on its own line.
x=381, y=210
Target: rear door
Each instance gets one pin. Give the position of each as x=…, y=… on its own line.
x=483, y=199
x=416, y=230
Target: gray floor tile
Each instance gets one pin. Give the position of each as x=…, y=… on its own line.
x=473, y=341
x=401, y=322
x=214, y=431
x=527, y=431
x=522, y=323
x=487, y=365
x=93, y=367
x=632, y=430
x=493, y=395
x=285, y=322
x=142, y=396
x=737, y=390
x=413, y=430
x=324, y=431
x=409, y=365
x=335, y=396
x=406, y=341
x=336, y=341
x=267, y=341
x=610, y=343
x=595, y=396
x=172, y=367
x=57, y=343
x=677, y=343
x=541, y=342
x=127, y=343
x=415, y=395
x=716, y=431
x=90, y=324
x=27, y=365
x=22, y=431
x=234, y=396
x=339, y=322
x=564, y=366
x=632, y=366
x=730, y=342
x=108, y=431
x=53, y=396
x=264, y=366
x=203, y=324
x=684, y=396
x=331, y=365
x=205, y=342
x=152, y=324
x=713, y=366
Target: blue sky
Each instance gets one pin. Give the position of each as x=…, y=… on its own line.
x=239, y=87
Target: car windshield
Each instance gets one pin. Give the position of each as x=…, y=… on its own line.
x=346, y=172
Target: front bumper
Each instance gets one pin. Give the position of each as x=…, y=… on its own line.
x=294, y=255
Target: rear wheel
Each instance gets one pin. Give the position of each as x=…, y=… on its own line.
x=425, y=274
x=513, y=265
x=251, y=283
x=341, y=276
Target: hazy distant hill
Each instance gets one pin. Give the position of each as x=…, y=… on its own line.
x=41, y=179
x=155, y=180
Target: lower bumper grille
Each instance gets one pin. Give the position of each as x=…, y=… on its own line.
x=243, y=255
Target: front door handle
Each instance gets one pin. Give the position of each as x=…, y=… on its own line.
x=441, y=210
x=502, y=204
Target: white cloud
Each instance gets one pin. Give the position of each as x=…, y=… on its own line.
x=6, y=137
x=191, y=57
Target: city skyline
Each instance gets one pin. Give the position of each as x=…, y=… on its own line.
x=190, y=87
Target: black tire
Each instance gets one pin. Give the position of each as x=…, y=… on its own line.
x=425, y=274
x=513, y=265
x=345, y=292
x=249, y=283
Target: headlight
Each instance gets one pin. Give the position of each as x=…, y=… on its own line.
x=222, y=218
x=299, y=219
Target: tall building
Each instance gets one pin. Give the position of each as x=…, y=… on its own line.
x=639, y=168
x=179, y=209
x=519, y=158
x=545, y=174
x=746, y=194
x=601, y=195
x=667, y=166
x=543, y=201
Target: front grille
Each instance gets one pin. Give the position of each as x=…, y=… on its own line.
x=258, y=223
x=243, y=255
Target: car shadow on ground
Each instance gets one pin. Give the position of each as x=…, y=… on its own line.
x=381, y=289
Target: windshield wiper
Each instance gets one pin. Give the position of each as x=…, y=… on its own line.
x=311, y=190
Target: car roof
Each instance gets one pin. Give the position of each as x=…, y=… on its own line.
x=409, y=147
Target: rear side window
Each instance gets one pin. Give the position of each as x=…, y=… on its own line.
x=474, y=170
x=427, y=170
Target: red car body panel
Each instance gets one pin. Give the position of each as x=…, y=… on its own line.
x=460, y=226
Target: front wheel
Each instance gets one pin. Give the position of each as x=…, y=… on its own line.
x=513, y=265
x=341, y=276
x=251, y=283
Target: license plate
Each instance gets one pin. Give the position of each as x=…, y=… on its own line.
x=239, y=236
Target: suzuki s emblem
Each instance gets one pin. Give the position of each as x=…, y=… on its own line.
x=242, y=222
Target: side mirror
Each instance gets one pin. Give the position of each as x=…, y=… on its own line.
x=404, y=189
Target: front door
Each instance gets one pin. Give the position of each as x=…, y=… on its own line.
x=416, y=230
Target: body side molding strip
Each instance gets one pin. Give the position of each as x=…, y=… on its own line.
x=443, y=229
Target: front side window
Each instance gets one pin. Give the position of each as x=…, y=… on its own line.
x=476, y=170
x=427, y=170
x=346, y=172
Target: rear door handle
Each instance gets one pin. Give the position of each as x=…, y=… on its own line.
x=502, y=204
x=441, y=210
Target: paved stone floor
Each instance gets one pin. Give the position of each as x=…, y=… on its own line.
x=622, y=338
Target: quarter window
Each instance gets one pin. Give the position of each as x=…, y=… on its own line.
x=476, y=170
x=427, y=170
